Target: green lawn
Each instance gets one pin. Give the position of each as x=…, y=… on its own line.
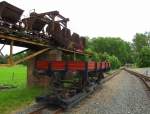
x=13, y=75
x=14, y=98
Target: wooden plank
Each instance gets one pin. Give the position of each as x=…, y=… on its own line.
x=11, y=53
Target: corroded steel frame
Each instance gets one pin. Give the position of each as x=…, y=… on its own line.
x=25, y=42
x=12, y=62
x=11, y=41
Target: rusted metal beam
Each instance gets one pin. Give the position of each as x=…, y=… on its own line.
x=26, y=50
x=31, y=56
x=11, y=62
x=36, y=43
x=2, y=46
x=2, y=49
x=22, y=40
x=71, y=51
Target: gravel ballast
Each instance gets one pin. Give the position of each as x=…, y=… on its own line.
x=123, y=94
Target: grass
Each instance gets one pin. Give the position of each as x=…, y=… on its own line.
x=12, y=99
x=13, y=75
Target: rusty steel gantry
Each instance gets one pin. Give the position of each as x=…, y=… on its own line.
x=38, y=33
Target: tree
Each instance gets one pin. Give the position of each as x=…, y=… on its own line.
x=144, y=57
x=113, y=46
x=140, y=40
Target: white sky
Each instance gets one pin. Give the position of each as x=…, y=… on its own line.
x=115, y=18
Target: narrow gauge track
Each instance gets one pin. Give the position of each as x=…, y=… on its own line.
x=40, y=109
x=144, y=78
x=33, y=109
x=44, y=109
x=37, y=110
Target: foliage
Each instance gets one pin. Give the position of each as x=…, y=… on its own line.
x=96, y=57
x=144, y=57
x=104, y=56
x=114, y=61
x=3, y=59
x=82, y=57
x=141, y=44
x=113, y=46
x=140, y=40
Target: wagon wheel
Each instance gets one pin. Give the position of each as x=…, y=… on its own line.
x=55, y=85
x=63, y=87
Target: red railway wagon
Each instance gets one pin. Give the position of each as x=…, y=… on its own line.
x=42, y=65
x=86, y=76
x=62, y=65
x=76, y=65
x=91, y=66
x=103, y=65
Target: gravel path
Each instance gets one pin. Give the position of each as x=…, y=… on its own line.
x=123, y=94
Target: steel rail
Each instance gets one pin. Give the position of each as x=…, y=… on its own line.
x=42, y=108
x=145, y=79
x=39, y=109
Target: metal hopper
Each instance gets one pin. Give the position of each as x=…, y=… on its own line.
x=10, y=13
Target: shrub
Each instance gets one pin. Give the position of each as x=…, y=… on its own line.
x=114, y=61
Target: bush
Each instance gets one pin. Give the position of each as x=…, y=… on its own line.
x=96, y=57
x=114, y=61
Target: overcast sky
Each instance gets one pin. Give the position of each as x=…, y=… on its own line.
x=115, y=18
x=121, y=18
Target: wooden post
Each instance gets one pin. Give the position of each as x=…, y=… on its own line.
x=11, y=53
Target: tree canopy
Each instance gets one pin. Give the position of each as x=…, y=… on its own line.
x=144, y=57
x=140, y=40
x=112, y=46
